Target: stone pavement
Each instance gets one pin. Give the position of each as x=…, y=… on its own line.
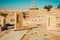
x=41, y=34
x=14, y=35
x=2, y=33
x=32, y=34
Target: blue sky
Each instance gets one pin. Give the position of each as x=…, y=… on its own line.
x=24, y=4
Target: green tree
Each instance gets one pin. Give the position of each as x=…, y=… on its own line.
x=45, y=7
x=48, y=7
x=58, y=6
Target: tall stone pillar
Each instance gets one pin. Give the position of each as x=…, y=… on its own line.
x=51, y=23
x=19, y=19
